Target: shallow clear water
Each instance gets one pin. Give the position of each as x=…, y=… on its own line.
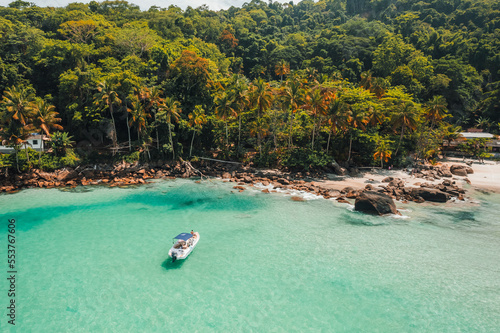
x=95, y=260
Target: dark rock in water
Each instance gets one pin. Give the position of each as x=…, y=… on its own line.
x=387, y=179
x=430, y=194
x=375, y=203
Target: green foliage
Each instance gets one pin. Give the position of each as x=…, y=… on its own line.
x=330, y=75
x=60, y=142
x=304, y=159
x=476, y=148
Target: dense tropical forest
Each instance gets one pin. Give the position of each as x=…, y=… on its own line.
x=292, y=85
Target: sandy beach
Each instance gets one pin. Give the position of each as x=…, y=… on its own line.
x=486, y=177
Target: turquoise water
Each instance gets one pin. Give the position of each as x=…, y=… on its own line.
x=95, y=260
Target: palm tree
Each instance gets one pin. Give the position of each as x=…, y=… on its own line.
x=109, y=97
x=155, y=101
x=224, y=109
x=19, y=105
x=14, y=136
x=405, y=116
x=45, y=118
x=18, y=115
x=239, y=94
x=356, y=118
x=293, y=98
x=139, y=116
x=261, y=98
x=170, y=111
x=60, y=141
x=197, y=119
x=282, y=68
x=316, y=102
x=483, y=122
x=383, y=150
x=336, y=117
x=435, y=110
x=379, y=86
x=450, y=133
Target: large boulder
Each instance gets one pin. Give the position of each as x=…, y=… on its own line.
x=338, y=169
x=430, y=194
x=460, y=170
x=65, y=175
x=375, y=203
x=48, y=176
x=444, y=171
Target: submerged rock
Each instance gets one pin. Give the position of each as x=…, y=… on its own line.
x=375, y=203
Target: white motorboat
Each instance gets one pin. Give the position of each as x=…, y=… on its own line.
x=184, y=244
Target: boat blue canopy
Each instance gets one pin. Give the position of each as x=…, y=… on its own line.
x=184, y=236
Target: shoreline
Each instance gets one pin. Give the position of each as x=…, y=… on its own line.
x=485, y=178
x=419, y=185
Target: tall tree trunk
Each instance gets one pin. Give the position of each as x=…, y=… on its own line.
x=171, y=141
x=227, y=138
x=129, y=138
x=400, y=139
x=275, y=141
x=318, y=128
x=258, y=134
x=157, y=137
x=290, y=142
x=192, y=141
x=350, y=149
x=239, y=133
x=314, y=130
x=328, y=143
x=114, y=128
x=128, y=127
x=27, y=155
x=16, y=148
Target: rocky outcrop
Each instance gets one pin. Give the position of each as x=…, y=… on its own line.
x=461, y=170
x=339, y=170
x=375, y=203
x=444, y=171
x=66, y=175
x=430, y=194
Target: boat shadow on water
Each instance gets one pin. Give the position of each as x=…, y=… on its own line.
x=168, y=264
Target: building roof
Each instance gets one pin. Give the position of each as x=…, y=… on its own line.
x=476, y=135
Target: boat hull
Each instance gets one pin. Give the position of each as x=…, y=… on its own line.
x=184, y=253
